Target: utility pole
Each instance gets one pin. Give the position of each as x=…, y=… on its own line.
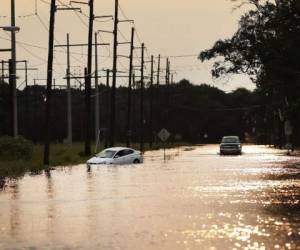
x=128, y=128
x=158, y=71
x=14, y=73
x=26, y=98
x=158, y=96
x=97, y=103
x=2, y=71
x=113, y=89
x=49, y=82
x=107, y=107
x=134, y=104
x=167, y=82
x=69, y=100
x=88, y=80
x=87, y=113
x=151, y=102
x=142, y=101
x=167, y=71
x=11, y=95
x=165, y=95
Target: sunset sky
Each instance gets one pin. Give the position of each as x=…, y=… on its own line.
x=169, y=27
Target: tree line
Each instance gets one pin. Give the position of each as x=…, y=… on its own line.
x=191, y=111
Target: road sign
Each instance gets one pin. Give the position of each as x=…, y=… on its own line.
x=288, y=129
x=164, y=135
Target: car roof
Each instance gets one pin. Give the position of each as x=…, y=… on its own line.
x=231, y=136
x=118, y=148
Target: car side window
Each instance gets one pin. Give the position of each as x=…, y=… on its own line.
x=124, y=152
x=121, y=153
x=128, y=152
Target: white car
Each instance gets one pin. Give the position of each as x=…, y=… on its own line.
x=117, y=156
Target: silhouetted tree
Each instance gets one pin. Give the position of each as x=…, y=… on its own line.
x=265, y=47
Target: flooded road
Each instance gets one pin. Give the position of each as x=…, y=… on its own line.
x=196, y=200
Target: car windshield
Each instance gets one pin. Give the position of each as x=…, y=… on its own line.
x=230, y=140
x=106, y=154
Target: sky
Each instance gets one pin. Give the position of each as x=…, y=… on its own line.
x=172, y=28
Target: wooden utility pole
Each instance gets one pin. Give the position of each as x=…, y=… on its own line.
x=151, y=102
x=87, y=113
x=134, y=106
x=158, y=71
x=128, y=127
x=167, y=82
x=13, y=73
x=157, y=108
x=113, y=89
x=107, y=107
x=27, y=126
x=2, y=71
x=167, y=71
x=97, y=103
x=142, y=101
x=165, y=95
x=11, y=97
x=69, y=98
x=49, y=82
x=88, y=84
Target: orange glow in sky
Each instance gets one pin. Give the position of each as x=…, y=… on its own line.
x=167, y=27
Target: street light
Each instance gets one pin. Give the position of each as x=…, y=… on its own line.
x=10, y=28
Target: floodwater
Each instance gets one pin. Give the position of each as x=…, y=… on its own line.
x=195, y=200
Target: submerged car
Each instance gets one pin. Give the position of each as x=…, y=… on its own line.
x=117, y=156
x=230, y=145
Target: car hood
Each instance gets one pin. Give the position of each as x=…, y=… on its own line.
x=230, y=144
x=98, y=160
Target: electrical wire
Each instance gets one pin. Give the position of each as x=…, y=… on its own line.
x=32, y=14
x=57, y=42
x=44, y=48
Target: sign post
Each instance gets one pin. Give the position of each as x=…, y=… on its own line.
x=164, y=135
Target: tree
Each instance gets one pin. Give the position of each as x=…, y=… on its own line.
x=265, y=47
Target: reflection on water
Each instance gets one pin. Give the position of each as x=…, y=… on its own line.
x=196, y=200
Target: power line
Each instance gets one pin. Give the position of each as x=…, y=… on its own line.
x=136, y=32
x=44, y=48
x=86, y=25
x=46, y=28
x=182, y=56
x=31, y=14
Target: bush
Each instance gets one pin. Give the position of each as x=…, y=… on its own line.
x=15, y=148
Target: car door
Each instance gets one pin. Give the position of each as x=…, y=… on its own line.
x=120, y=157
x=129, y=158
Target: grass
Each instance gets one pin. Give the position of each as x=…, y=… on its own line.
x=60, y=155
